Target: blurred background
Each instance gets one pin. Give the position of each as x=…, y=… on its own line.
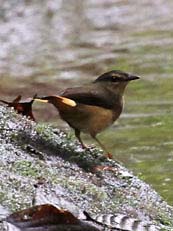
x=49, y=45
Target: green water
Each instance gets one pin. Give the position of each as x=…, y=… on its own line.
x=145, y=145
x=143, y=137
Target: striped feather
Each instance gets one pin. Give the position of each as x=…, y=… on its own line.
x=124, y=222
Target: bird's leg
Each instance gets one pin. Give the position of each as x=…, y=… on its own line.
x=108, y=154
x=77, y=134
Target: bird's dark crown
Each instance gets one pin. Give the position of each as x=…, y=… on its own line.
x=116, y=76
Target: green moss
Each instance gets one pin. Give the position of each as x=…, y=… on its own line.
x=3, y=196
x=45, y=131
x=153, y=33
x=85, y=188
x=26, y=168
x=165, y=220
x=166, y=229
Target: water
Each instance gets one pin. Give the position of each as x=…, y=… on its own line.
x=50, y=45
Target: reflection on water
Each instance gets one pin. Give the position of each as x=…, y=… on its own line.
x=47, y=45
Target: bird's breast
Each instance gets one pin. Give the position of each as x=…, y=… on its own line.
x=90, y=119
x=117, y=108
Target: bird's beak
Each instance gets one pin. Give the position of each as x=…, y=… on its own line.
x=132, y=77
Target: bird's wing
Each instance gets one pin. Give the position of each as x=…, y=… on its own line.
x=88, y=96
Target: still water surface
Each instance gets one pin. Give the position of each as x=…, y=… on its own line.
x=48, y=45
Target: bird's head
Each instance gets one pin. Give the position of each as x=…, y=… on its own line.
x=115, y=79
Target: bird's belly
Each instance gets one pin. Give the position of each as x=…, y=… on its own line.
x=89, y=119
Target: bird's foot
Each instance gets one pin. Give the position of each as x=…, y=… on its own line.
x=109, y=155
x=84, y=146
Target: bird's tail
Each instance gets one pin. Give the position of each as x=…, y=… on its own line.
x=56, y=100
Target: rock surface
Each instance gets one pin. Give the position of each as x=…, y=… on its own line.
x=40, y=164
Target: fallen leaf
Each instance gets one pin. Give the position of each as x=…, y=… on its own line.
x=23, y=107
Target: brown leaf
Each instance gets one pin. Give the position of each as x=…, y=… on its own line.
x=49, y=218
x=48, y=212
x=22, y=107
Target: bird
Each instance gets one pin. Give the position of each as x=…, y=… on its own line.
x=93, y=107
